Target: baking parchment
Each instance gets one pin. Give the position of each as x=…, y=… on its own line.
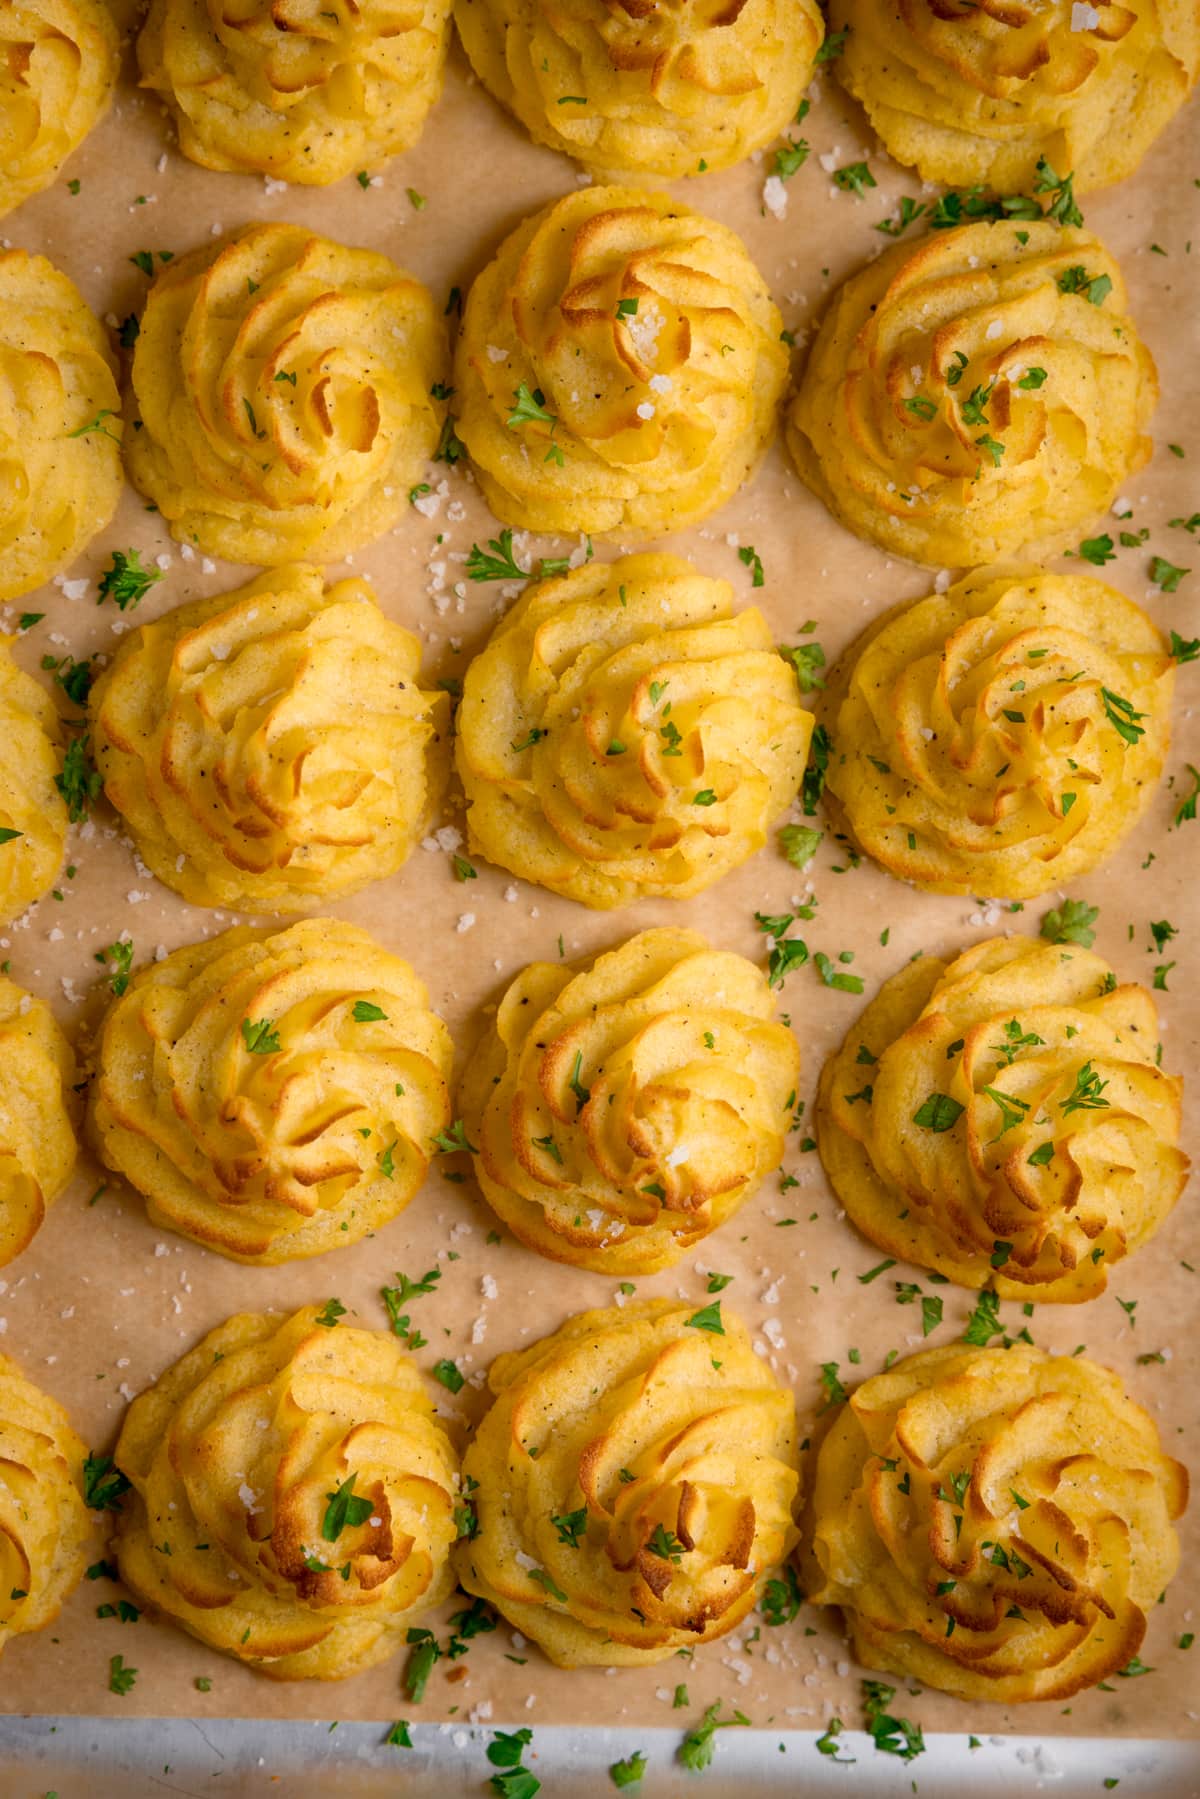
x=101, y=1302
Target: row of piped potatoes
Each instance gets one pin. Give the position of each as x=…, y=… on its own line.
x=974, y=393
x=322, y=93
x=1001, y=1116
x=625, y=734
x=270, y=421
x=996, y=1523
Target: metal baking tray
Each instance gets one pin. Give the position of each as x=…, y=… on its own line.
x=145, y=1758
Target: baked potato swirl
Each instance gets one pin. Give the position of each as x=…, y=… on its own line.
x=284, y=384
x=978, y=392
x=45, y=1530
x=296, y=89
x=636, y=1478
x=619, y=367
x=623, y=1110
x=976, y=96
x=33, y=818
x=995, y=1523
x=37, y=1139
x=657, y=87
x=58, y=64
x=1002, y=1118
x=60, y=423
x=1001, y=737
x=293, y=1501
x=626, y=735
x=271, y=748
x=273, y=1094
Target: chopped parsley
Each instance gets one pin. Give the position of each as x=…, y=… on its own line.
x=1185, y=812
x=345, y=1510
x=582, y=1093
x=1165, y=574
x=753, y=561
x=103, y=1484
x=629, y=1772
x=80, y=781
x=96, y=427
x=892, y=1736
x=791, y=157
x=696, y=1749
x=260, y=1036
x=708, y=1318
x=665, y=1544
x=529, y=409
x=806, y=659
x=453, y=1139
x=120, y=1678
x=1122, y=715
x=854, y=178
x=1098, y=550
x=814, y=774
x=909, y=212
x=126, y=582
x=532, y=736
x=571, y=1527
x=117, y=958
x=799, y=844
x=1071, y=923
x=1085, y=1096
x=1062, y=208
x=1095, y=289
x=782, y=1598
x=1012, y=1110
x=938, y=1112
x=836, y=978
x=499, y=564
x=396, y=1297
x=367, y=1012
x=835, y=1392
x=984, y=1322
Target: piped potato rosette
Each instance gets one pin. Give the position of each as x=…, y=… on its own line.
x=977, y=393
x=626, y=735
x=60, y=423
x=58, y=65
x=37, y=1108
x=1001, y=737
x=995, y=1523
x=294, y=1494
x=1002, y=1118
x=664, y=88
x=271, y=748
x=621, y=1111
x=33, y=818
x=284, y=387
x=619, y=368
x=273, y=1095
x=635, y=1482
x=974, y=96
x=45, y=1531
x=296, y=89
